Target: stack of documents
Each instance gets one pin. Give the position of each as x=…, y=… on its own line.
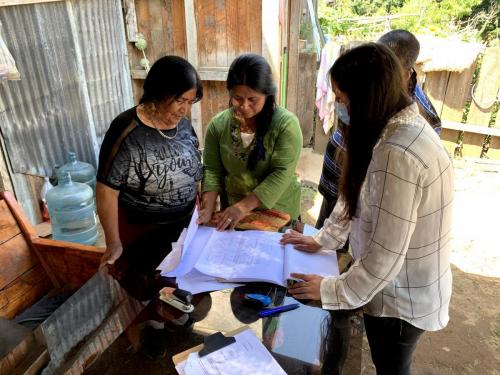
x=247, y=356
x=204, y=259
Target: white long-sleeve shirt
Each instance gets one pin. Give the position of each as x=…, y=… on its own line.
x=401, y=231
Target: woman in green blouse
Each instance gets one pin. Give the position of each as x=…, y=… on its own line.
x=251, y=149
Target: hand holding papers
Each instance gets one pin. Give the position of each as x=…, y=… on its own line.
x=246, y=256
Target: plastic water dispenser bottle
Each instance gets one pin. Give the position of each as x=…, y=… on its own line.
x=72, y=211
x=79, y=171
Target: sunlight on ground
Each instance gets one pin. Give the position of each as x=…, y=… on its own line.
x=476, y=226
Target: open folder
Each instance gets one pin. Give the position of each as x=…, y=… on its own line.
x=239, y=352
x=243, y=256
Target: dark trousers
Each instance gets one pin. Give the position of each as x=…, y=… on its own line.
x=392, y=343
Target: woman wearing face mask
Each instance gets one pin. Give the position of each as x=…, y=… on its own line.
x=396, y=199
x=251, y=149
x=149, y=165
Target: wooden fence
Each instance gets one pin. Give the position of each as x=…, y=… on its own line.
x=450, y=92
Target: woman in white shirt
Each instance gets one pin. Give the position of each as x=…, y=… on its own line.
x=396, y=198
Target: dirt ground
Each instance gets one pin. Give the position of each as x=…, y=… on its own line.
x=470, y=344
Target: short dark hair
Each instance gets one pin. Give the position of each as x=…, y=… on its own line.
x=170, y=77
x=404, y=44
x=372, y=78
x=254, y=71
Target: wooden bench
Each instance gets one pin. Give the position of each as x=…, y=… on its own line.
x=31, y=267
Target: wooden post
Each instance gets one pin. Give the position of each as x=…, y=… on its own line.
x=192, y=56
x=293, y=55
x=306, y=93
x=130, y=20
x=271, y=37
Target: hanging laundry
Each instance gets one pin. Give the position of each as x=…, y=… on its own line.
x=324, y=94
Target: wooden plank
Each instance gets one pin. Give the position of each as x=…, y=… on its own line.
x=216, y=100
x=16, y=258
x=293, y=55
x=8, y=224
x=179, y=28
x=254, y=22
x=130, y=20
x=469, y=128
x=24, y=291
x=37, y=358
x=213, y=73
x=245, y=29
x=232, y=30
x=9, y=362
x=192, y=56
x=307, y=94
x=484, y=92
x=220, y=33
x=167, y=30
x=435, y=88
x=457, y=94
x=205, y=27
x=486, y=88
x=271, y=37
x=70, y=263
x=157, y=43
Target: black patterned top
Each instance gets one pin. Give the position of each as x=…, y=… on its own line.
x=157, y=177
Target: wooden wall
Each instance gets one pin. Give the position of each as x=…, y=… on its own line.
x=162, y=23
x=449, y=93
x=224, y=29
x=23, y=280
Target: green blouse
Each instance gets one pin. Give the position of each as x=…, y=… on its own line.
x=273, y=180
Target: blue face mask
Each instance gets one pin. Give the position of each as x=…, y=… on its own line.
x=342, y=112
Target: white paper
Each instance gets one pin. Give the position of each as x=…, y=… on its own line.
x=323, y=263
x=191, y=253
x=247, y=356
x=309, y=230
x=197, y=282
x=243, y=256
x=173, y=259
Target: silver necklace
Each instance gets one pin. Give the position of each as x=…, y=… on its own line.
x=166, y=136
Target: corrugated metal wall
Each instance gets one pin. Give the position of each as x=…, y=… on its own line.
x=75, y=79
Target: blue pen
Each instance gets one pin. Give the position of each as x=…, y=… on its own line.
x=277, y=310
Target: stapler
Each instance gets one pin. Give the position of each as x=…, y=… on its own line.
x=178, y=298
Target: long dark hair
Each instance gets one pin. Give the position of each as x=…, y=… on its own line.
x=253, y=71
x=372, y=78
x=170, y=77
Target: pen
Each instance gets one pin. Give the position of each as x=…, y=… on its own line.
x=277, y=310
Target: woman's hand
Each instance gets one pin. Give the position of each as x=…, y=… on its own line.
x=231, y=216
x=301, y=242
x=113, y=252
x=308, y=288
x=205, y=215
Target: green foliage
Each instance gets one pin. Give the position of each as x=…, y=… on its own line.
x=476, y=20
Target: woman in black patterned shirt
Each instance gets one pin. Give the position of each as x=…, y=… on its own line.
x=150, y=165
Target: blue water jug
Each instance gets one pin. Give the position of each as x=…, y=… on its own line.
x=72, y=211
x=79, y=171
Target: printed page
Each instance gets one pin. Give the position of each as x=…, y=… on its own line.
x=243, y=256
x=191, y=253
x=247, y=356
x=323, y=262
x=172, y=260
x=197, y=282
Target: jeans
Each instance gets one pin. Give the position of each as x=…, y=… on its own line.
x=392, y=343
